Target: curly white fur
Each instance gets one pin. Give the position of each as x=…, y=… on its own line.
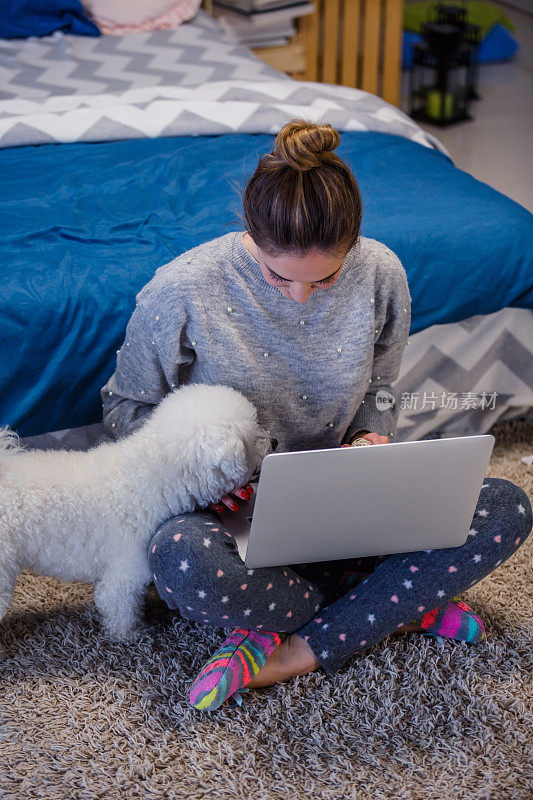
x=89, y=516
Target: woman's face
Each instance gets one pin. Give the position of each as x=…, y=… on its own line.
x=297, y=278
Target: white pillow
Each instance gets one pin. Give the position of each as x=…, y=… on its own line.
x=145, y=14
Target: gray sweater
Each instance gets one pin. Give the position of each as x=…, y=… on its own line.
x=317, y=372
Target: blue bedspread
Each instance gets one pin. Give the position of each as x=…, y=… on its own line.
x=84, y=226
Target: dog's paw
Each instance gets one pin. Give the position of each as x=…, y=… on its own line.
x=122, y=634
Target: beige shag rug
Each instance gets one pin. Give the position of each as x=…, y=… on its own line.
x=415, y=718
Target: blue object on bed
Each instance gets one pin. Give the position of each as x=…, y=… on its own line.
x=498, y=45
x=83, y=227
x=20, y=19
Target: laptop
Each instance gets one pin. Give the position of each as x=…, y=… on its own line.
x=349, y=502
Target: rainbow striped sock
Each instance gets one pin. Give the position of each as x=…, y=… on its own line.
x=456, y=621
x=233, y=665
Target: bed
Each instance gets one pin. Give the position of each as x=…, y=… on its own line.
x=117, y=154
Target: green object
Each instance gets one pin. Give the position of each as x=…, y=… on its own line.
x=433, y=104
x=479, y=12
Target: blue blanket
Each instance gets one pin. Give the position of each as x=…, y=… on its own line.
x=84, y=227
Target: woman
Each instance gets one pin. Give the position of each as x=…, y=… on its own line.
x=308, y=320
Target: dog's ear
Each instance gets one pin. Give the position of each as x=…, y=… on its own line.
x=234, y=454
x=227, y=451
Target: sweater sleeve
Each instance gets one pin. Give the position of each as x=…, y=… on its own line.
x=141, y=378
x=379, y=409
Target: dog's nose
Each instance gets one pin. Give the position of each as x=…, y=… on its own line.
x=273, y=443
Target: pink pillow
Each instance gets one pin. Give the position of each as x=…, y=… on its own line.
x=136, y=16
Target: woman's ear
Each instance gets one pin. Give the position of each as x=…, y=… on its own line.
x=250, y=245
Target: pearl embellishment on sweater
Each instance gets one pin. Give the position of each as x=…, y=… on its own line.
x=266, y=354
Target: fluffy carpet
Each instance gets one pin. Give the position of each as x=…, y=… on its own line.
x=415, y=717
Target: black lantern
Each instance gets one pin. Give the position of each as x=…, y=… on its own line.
x=470, y=35
x=443, y=78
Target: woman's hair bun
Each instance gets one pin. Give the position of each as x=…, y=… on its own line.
x=303, y=145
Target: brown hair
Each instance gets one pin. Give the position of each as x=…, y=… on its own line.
x=302, y=196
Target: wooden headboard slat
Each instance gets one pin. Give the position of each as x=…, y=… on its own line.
x=350, y=43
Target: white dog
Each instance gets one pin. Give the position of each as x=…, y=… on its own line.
x=89, y=515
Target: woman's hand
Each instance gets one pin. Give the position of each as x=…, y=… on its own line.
x=244, y=493
x=373, y=438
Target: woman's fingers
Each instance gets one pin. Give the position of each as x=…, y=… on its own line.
x=243, y=493
x=373, y=438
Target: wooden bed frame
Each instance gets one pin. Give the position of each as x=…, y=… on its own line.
x=348, y=42
x=355, y=43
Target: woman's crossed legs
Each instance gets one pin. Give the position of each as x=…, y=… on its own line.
x=198, y=570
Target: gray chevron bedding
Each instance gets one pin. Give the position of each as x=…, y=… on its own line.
x=191, y=80
x=461, y=378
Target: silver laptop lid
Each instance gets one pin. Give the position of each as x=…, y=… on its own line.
x=320, y=505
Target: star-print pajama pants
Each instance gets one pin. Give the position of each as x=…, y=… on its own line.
x=340, y=607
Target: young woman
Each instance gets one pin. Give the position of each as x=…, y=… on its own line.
x=308, y=320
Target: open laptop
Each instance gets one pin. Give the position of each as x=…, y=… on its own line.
x=348, y=502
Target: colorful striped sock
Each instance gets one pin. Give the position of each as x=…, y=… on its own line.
x=233, y=665
x=456, y=621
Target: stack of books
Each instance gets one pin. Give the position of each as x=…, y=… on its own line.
x=260, y=23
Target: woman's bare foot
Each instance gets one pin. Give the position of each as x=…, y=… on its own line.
x=412, y=626
x=292, y=657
